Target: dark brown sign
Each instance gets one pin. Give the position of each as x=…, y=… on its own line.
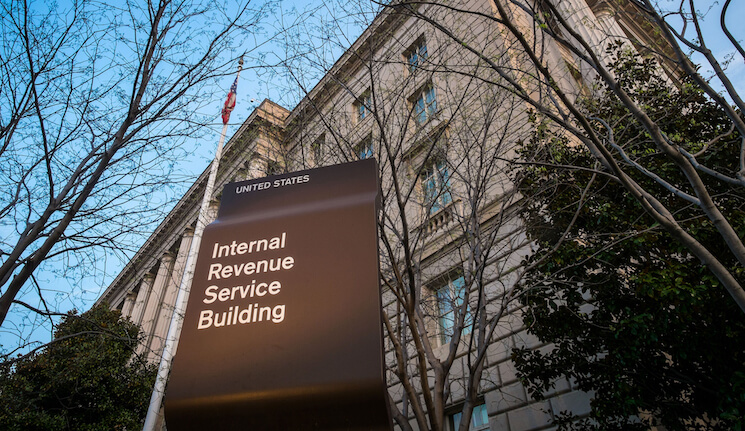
x=283, y=327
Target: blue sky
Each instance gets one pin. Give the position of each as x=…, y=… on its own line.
x=718, y=43
x=262, y=78
x=257, y=84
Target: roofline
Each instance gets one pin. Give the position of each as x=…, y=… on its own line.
x=387, y=19
x=187, y=204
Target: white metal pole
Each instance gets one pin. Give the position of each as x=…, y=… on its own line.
x=174, y=329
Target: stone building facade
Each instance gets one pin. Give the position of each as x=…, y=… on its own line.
x=443, y=126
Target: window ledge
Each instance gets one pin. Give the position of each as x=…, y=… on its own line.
x=439, y=220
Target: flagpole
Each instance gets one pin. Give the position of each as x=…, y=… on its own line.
x=174, y=329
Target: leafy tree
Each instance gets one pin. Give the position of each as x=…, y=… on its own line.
x=86, y=379
x=552, y=86
x=632, y=314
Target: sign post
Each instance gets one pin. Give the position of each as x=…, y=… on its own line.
x=283, y=328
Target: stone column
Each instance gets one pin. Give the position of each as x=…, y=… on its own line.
x=256, y=168
x=138, y=309
x=611, y=28
x=169, y=298
x=155, y=299
x=212, y=210
x=242, y=173
x=578, y=14
x=129, y=303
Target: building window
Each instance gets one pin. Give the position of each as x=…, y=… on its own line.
x=316, y=149
x=436, y=186
x=363, y=105
x=416, y=55
x=479, y=419
x=425, y=104
x=450, y=297
x=364, y=149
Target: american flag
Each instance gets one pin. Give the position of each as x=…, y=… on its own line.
x=229, y=102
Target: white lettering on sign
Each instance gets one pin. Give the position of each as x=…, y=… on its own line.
x=291, y=181
x=236, y=315
x=280, y=182
x=252, y=187
x=243, y=290
x=255, y=246
x=214, y=293
x=220, y=271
